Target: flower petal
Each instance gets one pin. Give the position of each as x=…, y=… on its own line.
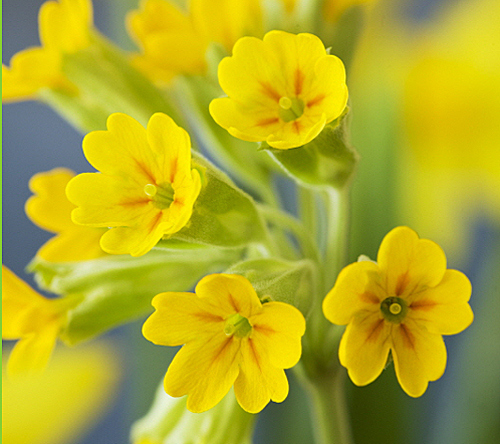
x=258, y=381
x=32, y=352
x=419, y=357
x=278, y=329
x=49, y=208
x=122, y=150
x=444, y=309
x=364, y=347
x=410, y=264
x=228, y=294
x=180, y=318
x=205, y=370
x=355, y=290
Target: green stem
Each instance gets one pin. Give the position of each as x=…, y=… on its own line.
x=291, y=224
x=337, y=213
x=330, y=415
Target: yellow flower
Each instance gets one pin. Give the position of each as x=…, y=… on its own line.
x=282, y=90
x=146, y=189
x=402, y=304
x=50, y=209
x=31, y=318
x=230, y=338
x=175, y=42
x=62, y=403
x=64, y=28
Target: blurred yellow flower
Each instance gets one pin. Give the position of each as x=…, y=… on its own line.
x=64, y=28
x=146, y=189
x=50, y=209
x=230, y=338
x=31, y=319
x=451, y=103
x=62, y=403
x=402, y=304
x=174, y=41
x=283, y=89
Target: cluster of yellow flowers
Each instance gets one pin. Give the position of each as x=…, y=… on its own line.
x=156, y=198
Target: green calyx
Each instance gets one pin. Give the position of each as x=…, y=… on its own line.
x=394, y=309
x=161, y=195
x=290, y=108
x=237, y=325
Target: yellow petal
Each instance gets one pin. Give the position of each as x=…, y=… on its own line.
x=278, y=329
x=410, y=264
x=356, y=289
x=258, y=382
x=171, y=145
x=121, y=150
x=180, y=318
x=78, y=244
x=107, y=201
x=228, y=294
x=297, y=132
x=33, y=351
x=364, y=347
x=444, y=309
x=31, y=70
x=49, y=208
x=23, y=309
x=65, y=25
x=205, y=370
x=419, y=357
x=187, y=189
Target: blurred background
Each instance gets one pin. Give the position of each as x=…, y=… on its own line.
x=425, y=99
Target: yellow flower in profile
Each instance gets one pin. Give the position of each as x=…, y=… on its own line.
x=64, y=28
x=50, y=209
x=62, y=403
x=230, y=338
x=31, y=319
x=402, y=304
x=174, y=41
x=146, y=188
x=283, y=89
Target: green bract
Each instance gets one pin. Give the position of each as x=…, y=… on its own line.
x=119, y=289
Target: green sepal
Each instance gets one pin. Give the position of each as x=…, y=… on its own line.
x=328, y=161
x=280, y=280
x=168, y=420
x=118, y=289
x=223, y=215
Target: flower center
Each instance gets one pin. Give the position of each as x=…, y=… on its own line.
x=394, y=309
x=237, y=325
x=290, y=108
x=161, y=195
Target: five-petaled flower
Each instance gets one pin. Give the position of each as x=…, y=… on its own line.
x=50, y=209
x=402, y=304
x=146, y=189
x=230, y=338
x=283, y=89
x=33, y=320
x=65, y=27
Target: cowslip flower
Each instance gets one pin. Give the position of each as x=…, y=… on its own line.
x=33, y=320
x=50, y=209
x=174, y=41
x=402, y=304
x=283, y=89
x=230, y=338
x=146, y=188
x=64, y=28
